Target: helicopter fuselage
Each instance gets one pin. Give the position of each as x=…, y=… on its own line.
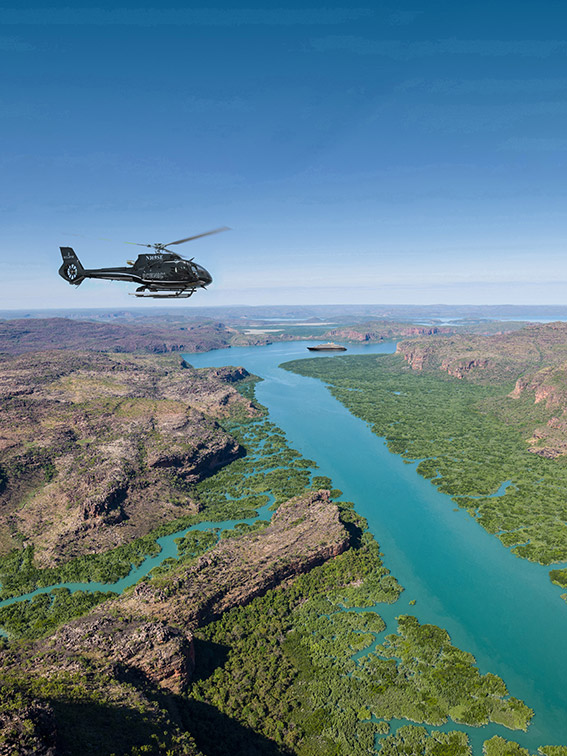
x=157, y=274
x=161, y=273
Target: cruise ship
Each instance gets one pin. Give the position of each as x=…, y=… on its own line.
x=330, y=347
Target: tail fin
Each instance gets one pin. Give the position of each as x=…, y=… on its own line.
x=71, y=270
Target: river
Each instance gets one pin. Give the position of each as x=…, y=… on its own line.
x=502, y=609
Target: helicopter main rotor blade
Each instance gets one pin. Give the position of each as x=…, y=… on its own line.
x=198, y=236
x=161, y=246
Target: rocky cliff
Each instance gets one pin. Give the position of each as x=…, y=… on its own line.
x=546, y=387
x=376, y=331
x=150, y=628
x=126, y=650
x=482, y=358
x=303, y=532
x=533, y=357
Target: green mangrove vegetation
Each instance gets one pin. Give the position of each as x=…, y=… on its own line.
x=269, y=471
x=467, y=438
x=498, y=746
x=559, y=577
x=94, y=715
x=417, y=741
x=43, y=613
x=269, y=467
x=306, y=668
x=289, y=666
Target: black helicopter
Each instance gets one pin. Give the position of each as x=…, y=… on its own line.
x=161, y=274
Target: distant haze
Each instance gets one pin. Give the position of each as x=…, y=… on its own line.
x=295, y=314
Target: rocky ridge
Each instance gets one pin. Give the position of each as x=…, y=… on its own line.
x=142, y=642
x=98, y=449
x=22, y=335
x=302, y=533
x=149, y=629
x=482, y=358
x=533, y=357
x=383, y=331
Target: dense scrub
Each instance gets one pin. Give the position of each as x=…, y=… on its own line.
x=468, y=439
x=287, y=666
x=498, y=746
x=89, y=713
x=416, y=741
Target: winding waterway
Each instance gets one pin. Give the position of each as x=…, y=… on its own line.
x=168, y=549
x=502, y=609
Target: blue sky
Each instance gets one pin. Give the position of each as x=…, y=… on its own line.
x=383, y=153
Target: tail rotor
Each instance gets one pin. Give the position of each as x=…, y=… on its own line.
x=71, y=270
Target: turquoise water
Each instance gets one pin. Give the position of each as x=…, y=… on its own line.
x=168, y=550
x=502, y=609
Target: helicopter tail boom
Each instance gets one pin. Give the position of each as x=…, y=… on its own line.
x=71, y=270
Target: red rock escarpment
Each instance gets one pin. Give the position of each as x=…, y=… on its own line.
x=383, y=331
x=150, y=629
x=303, y=532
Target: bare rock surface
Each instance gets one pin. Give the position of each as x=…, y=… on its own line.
x=149, y=630
x=303, y=532
x=99, y=448
x=163, y=654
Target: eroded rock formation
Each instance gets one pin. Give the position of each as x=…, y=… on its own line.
x=99, y=448
x=149, y=631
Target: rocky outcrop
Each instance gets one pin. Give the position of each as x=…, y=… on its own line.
x=161, y=653
x=548, y=387
x=303, y=532
x=461, y=368
x=533, y=356
x=382, y=331
x=485, y=358
x=415, y=356
x=102, y=448
x=229, y=374
x=427, y=356
x=148, y=632
x=212, y=390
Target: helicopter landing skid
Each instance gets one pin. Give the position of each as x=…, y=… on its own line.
x=184, y=294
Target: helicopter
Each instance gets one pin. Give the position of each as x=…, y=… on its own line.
x=162, y=273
